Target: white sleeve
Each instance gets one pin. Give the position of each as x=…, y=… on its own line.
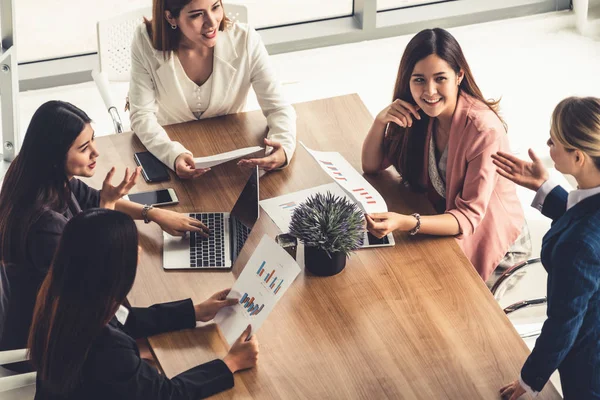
x=527, y=388
x=143, y=109
x=281, y=116
x=542, y=193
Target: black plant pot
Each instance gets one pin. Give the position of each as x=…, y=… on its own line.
x=318, y=262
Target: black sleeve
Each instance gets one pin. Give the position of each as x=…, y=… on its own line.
x=119, y=369
x=160, y=318
x=555, y=204
x=86, y=196
x=43, y=239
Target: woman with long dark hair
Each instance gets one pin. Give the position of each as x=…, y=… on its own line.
x=40, y=193
x=191, y=62
x=439, y=133
x=81, y=350
x=570, y=337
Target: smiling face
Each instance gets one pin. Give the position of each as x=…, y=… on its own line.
x=82, y=155
x=434, y=86
x=199, y=22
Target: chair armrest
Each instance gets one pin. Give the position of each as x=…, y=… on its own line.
x=13, y=356
x=17, y=381
x=525, y=304
x=511, y=271
x=103, y=86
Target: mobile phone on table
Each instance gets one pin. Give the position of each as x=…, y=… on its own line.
x=162, y=197
x=152, y=169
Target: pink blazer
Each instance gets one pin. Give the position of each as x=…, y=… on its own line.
x=486, y=205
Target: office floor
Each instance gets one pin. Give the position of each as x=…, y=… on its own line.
x=531, y=63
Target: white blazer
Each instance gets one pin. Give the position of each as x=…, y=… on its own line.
x=240, y=60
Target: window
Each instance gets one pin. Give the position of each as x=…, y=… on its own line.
x=384, y=5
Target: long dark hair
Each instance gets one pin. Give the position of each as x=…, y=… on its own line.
x=163, y=37
x=92, y=272
x=36, y=180
x=405, y=146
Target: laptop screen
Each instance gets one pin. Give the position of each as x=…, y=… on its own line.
x=244, y=215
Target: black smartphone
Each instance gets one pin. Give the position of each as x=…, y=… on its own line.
x=152, y=169
x=163, y=197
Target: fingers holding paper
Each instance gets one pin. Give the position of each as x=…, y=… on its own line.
x=244, y=352
x=276, y=159
x=185, y=167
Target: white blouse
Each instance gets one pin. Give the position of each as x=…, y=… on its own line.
x=197, y=97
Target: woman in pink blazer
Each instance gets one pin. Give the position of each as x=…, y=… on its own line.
x=440, y=133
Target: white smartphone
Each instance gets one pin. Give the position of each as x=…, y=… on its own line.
x=163, y=197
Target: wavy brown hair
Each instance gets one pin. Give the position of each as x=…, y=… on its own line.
x=163, y=37
x=404, y=147
x=93, y=270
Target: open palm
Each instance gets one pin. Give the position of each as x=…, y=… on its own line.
x=531, y=175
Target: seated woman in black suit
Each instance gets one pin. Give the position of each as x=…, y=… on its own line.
x=79, y=347
x=39, y=195
x=570, y=337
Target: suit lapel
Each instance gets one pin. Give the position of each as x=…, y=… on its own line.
x=176, y=102
x=222, y=75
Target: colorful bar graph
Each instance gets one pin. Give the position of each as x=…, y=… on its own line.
x=278, y=286
x=262, y=267
x=288, y=205
x=326, y=162
x=248, y=303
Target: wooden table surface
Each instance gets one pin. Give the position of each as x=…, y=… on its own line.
x=414, y=321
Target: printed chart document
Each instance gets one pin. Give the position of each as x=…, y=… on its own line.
x=353, y=183
x=265, y=278
x=211, y=161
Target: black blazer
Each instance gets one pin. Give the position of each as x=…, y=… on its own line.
x=114, y=370
x=21, y=282
x=570, y=338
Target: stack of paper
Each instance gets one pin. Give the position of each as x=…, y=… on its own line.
x=211, y=161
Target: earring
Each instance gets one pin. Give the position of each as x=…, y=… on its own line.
x=173, y=26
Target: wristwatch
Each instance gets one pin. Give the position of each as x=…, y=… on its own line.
x=145, y=212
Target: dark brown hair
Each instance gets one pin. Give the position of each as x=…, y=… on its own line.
x=163, y=37
x=92, y=272
x=36, y=180
x=405, y=147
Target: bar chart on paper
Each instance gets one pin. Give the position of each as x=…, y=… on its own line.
x=265, y=278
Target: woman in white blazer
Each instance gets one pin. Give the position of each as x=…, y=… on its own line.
x=190, y=62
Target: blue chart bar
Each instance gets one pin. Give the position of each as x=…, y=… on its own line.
x=248, y=303
x=262, y=266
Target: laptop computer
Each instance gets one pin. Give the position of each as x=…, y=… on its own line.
x=228, y=233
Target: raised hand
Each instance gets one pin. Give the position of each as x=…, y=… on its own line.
x=399, y=112
x=110, y=194
x=531, y=175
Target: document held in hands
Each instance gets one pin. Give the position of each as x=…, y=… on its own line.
x=265, y=278
x=211, y=161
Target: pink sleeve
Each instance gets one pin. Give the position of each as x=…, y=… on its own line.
x=471, y=203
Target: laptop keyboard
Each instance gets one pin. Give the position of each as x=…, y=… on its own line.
x=241, y=235
x=205, y=253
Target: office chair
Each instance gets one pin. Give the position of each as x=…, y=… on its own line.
x=114, y=51
x=15, y=386
x=525, y=309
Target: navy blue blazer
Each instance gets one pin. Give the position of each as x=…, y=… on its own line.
x=114, y=370
x=570, y=337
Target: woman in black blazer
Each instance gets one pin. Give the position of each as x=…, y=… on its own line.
x=570, y=337
x=39, y=195
x=81, y=350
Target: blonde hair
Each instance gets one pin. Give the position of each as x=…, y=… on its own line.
x=163, y=37
x=576, y=125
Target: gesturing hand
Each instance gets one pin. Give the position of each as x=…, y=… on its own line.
x=185, y=168
x=399, y=112
x=512, y=391
x=110, y=194
x=531, y=175
x=207, y=310
x=274, y=160
x=243, y=354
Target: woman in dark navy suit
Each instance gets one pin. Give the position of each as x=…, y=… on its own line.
x=570, y=337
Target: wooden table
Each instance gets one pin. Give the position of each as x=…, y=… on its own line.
x=412, y=322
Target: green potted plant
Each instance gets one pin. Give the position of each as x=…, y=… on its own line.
x=331, y=227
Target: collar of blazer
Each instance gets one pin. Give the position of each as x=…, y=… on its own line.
x=222, y=77
x=578, y=211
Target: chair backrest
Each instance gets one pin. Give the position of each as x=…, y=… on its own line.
x=115, y=36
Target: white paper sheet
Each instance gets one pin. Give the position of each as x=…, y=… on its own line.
x=349, y=179
x=211, y=161
x=265, y=278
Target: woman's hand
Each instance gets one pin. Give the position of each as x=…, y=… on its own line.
x=243, y=354
x=274, y=160
x=207, y=310
x=512, y=391
x=177, y=224
x=399, y=112
x=383, y=223
x=531, y=175
x=185, y=167
x=110, y=194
